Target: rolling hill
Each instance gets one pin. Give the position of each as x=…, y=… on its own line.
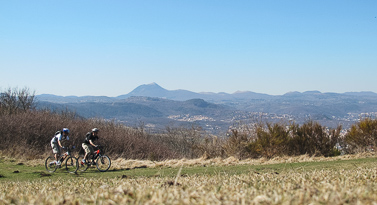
x=158, y=107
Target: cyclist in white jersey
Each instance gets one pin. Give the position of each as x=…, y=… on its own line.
x=56, y=142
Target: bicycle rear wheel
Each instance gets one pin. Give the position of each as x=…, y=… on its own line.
x=71, y=164
x=81, y=166
x=103, y=163
x=50, y=164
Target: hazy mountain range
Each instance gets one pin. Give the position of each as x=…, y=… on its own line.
x=156, y=107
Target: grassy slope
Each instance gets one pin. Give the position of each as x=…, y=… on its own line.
x=13, y=170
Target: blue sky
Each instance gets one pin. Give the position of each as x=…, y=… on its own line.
x=111, y=47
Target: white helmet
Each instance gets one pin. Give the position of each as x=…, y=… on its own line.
x=95, y=130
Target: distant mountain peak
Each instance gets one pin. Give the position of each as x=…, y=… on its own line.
x=151, y=85
x=147, y=90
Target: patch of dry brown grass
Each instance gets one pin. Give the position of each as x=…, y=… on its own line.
x=121, y=163
x=357, y=186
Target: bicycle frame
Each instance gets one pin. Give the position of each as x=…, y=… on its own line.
x=71, y=162
x=95, y=154
x=97, y=158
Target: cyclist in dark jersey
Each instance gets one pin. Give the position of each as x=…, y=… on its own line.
x=88, y=143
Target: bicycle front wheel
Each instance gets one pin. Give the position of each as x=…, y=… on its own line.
x=50, y=164
x=71, y=165
x=103, y=163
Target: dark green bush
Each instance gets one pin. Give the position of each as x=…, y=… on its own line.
x=270, y=141
x=313, y=139
x=362, y=136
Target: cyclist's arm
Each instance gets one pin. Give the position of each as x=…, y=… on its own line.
x=60, y=144
x=59, y=140
x=91, y=142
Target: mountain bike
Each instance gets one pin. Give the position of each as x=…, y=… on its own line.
x=97, y=159
x=71, y=163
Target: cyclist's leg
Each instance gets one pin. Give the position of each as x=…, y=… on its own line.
x=55, y=150
x=92, y=152
x=87, y=150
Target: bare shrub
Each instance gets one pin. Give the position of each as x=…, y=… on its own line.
x=210, y=146
x=131, y=143
x=236, y=144
x=184, y=141
x=31, y=131
x=15, y=100
x=29, y=134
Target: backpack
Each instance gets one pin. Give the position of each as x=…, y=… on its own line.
x=54, y=138
x=87, y=136
x=60, y=132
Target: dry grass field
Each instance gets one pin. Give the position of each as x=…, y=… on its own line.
x=294, y=187
x=288, y=181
